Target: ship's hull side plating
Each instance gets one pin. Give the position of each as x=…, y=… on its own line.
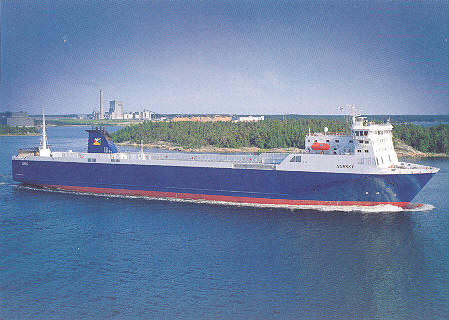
x=275, y=187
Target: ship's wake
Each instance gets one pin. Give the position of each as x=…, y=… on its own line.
x=386, y=208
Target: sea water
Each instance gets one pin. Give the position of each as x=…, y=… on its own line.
x=76, y=256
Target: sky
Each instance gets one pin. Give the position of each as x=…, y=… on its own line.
x=225, y=57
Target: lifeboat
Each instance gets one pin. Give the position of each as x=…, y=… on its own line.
x=317, y=146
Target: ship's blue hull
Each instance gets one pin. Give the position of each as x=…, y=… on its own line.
x=223, y=184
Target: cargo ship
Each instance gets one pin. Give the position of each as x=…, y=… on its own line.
x=357, y=168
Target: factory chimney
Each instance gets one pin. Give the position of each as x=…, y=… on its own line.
x=101, y=116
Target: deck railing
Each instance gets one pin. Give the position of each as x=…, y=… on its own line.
x=264, y=158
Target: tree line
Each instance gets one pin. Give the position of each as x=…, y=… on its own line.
x=425, y=139
x=4, y=129
x=269, y=134
x=263, y=134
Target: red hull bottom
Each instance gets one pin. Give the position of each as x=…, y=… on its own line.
x=219, y=198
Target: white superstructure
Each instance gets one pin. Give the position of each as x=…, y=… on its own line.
x=369, y=143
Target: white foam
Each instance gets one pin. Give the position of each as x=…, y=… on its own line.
x=387, y=208
x=424, y=207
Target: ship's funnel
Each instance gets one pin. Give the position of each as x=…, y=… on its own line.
x=100, y=142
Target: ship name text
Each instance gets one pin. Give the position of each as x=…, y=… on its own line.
x=348, y=166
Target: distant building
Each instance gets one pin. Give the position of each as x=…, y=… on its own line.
x=179, y=119
x=128, y=116
x=145, y=114
x=20, y=119
x=93, y=115
x=115, y=109
x=200, y=119
x=222, y=118
x=136, y=115
x=249, y=119
x=4, y=116
x=215, y=118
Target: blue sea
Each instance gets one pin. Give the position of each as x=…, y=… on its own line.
x=72, y=256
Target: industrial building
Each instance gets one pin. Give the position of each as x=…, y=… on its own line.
x=101, y=114
x=116, y=112
x=115, y=109
x=144, y=115
x=19, y=119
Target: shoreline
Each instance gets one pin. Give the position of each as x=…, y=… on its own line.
x=114, y=124
x=19, y=135
x=409, y=152
x=419, y=154
x=80, y=125
x=404, y=150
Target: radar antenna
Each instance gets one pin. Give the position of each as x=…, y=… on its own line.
x=351, y=110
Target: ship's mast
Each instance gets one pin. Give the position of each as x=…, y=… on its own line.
x=43, y=149
x=44, y=133
x=141, y=155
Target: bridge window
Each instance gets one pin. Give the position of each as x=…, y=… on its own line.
x=91, y=160
x=296, y=159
